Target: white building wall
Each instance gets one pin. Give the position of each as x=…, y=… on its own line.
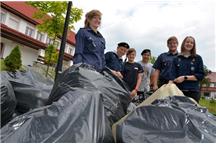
x=22, y=27
x=213, y=95
x=9, y=23
x=28, y=55
x=41, y=52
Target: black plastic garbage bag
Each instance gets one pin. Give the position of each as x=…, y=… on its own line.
x=78, y=116
x=172, y=120
x=8, y=101
x=115, y=96
x=82, y=107
x=31, y=89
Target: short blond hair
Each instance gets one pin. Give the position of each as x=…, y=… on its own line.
x=172, y=38
x=90, y=15
x=130, y=50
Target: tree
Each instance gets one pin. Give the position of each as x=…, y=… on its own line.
x=13, y=61
x=51, y=56
x=54, y=24
x=51, y=50
x=206, y=81
x=153, y=59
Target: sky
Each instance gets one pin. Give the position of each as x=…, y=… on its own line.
x=149, y=23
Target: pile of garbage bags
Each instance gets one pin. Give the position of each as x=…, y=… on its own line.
x=30, y=88
x=175, y=119
x=8, y=101
x=82, y=107
x=86, y=106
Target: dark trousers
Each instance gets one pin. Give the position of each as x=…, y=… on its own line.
x=193, y=94
x=162, y=82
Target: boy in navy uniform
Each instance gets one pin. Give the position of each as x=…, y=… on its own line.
x=163, y=64
x=114, y=59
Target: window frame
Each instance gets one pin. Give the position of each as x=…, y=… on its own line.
x=49, y=41
x=31, y=30
x=40, y=36
x=15, y=20
x=5, y=14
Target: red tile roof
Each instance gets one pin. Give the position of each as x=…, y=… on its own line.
x=27, y=11
x=212, y=76
x=24, y=9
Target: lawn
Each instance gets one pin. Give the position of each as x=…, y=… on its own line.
x=2, y=65
x=210, y=105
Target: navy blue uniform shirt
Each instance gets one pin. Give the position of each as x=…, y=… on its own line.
x=130, y=74
x=113, y=61
x=90, y=48
x=183, y=66
x=164, y=64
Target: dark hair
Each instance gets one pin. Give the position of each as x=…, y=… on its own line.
x=146, y=51
x=172, y=38
x=123, y=44
x=90, y=16
x=193, y=51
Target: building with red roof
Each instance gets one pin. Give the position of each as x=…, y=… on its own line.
x=210, y=91
x=18, y=27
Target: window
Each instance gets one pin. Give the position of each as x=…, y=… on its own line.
x=3, y=17
x=49, y=41
x=29, y=31
x=13, y=23
x=40, y=36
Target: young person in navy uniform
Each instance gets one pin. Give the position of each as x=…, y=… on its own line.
x=132, y=72
x=90, y=44
x=163, y=64
x=188, y=69
x=114, y=59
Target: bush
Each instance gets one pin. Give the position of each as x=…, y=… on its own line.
x=13, y=61
x=202, y=97
x=212, y=100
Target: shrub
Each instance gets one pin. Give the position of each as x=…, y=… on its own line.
x=212, y=100
x=13, y=61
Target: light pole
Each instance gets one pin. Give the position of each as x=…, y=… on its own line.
x=58, y=69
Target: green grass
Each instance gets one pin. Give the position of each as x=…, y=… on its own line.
x=2, y=65
x=210, y=105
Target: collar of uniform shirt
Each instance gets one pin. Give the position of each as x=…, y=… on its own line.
x=187, y=56
x=117, y=55
x=92, y=31
x=169, y=53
